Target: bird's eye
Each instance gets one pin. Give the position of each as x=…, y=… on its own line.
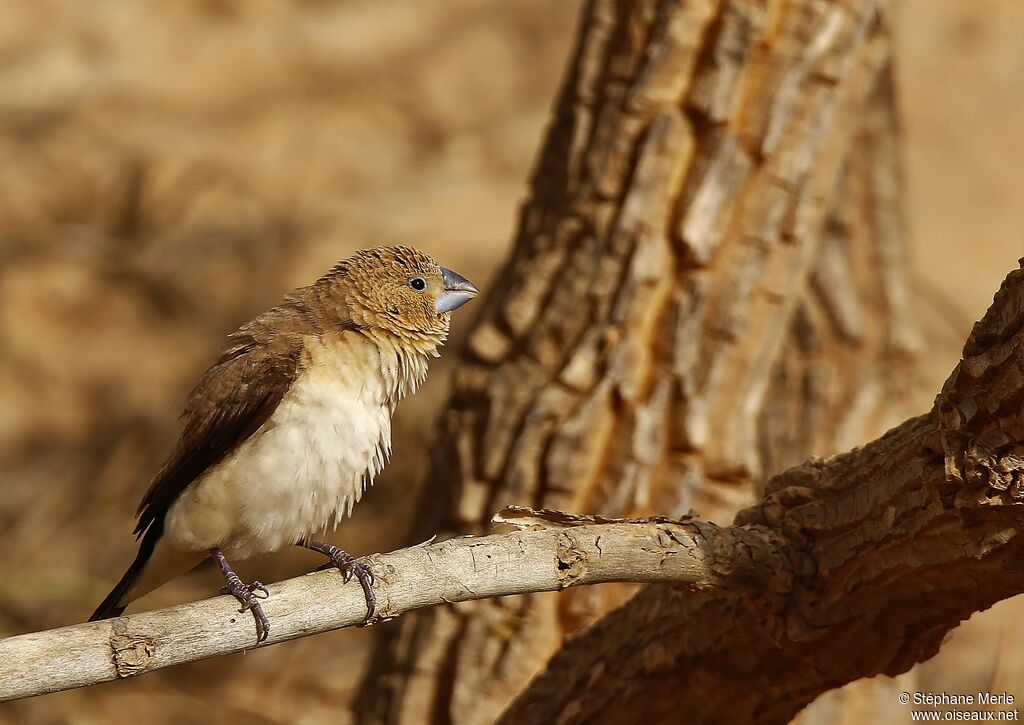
x=418, y=283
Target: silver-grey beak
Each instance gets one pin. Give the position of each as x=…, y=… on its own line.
x=457, y=291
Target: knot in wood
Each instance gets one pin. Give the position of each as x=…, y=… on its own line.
x=1000, y=470
x=131, y=654
x=570, y=562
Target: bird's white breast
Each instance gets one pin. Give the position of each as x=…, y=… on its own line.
x=310, y=462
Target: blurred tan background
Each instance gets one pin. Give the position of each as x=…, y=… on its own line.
x=168, y=169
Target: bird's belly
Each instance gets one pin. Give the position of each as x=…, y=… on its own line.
x=310, y=462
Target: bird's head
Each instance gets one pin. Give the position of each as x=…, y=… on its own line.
x=403, y=291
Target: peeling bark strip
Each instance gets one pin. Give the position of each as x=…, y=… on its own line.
x=894, y=544
x=707, y=286
x=697, y=555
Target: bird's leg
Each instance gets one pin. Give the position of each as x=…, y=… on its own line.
x=248, y=595
x=349, y=567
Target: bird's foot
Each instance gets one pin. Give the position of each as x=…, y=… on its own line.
x=257, y=589
x=349, y=567
x=248, y=595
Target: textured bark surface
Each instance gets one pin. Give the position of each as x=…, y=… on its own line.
x=707, y=286
x=895, y=544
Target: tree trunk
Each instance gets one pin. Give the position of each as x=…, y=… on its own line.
x=708, y=285
x=892, y=546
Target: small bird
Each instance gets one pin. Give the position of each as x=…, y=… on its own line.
x=290, y=425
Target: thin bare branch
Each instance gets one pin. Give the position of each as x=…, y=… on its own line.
x=694, y=554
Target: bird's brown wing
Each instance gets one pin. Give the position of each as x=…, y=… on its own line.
x=234, y=398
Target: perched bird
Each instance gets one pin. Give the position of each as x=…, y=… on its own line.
x=292, y=422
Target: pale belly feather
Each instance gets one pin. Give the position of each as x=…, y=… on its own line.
x=311, y=461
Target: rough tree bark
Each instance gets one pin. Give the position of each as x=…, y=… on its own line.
x=707, y=285
x=893, y=545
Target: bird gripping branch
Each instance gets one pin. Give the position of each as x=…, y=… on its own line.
x=292, y=423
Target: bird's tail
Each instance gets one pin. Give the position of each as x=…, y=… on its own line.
x=117, y=600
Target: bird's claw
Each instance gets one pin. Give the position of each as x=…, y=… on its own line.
x=351, y=567
x=357, y=569
x=249, y=596
x=257, y=589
